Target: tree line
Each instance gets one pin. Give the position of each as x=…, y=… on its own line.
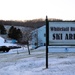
x=35, y=23
x=13, y=32
x=28, y=23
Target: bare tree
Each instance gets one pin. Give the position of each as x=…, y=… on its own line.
x=27, y=35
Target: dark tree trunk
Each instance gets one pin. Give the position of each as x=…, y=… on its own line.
x=28, y=48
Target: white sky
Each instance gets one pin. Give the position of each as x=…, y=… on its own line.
x=32, y=9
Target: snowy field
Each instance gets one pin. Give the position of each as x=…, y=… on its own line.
x=18, y=62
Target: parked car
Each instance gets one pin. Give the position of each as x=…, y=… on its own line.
x=4, y=48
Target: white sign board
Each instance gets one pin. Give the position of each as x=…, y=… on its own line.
x=62, y=33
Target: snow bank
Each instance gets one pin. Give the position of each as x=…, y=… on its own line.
x=34, y=64
x=1, y=40
x=2, y=43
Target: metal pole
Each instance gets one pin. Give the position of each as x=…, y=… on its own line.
x=47, y=41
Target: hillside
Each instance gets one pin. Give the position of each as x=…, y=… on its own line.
x=28, y=23
x=35, y=23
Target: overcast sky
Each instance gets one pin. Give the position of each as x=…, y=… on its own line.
x=32, y=9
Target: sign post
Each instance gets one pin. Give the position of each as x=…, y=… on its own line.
x=59, y=33
x=47, y=41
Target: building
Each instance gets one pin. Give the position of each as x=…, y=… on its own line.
x=39, y=37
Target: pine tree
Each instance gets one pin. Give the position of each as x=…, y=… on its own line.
x=15, y=33
x=10, y=32
x=2, y=29
x=19, y=34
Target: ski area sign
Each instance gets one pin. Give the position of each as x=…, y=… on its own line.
x=62, y=33
x=59, y=33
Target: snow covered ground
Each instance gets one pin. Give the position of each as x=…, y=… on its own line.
x=18, y=62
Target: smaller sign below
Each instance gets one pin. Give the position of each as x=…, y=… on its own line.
x=61, y=49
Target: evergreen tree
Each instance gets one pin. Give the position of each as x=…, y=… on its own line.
x=10, y=32
x=2, y=29
x=15, y=33
x=19, y=34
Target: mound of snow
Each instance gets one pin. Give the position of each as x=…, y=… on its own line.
x=1, y=40
x=2, y=43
